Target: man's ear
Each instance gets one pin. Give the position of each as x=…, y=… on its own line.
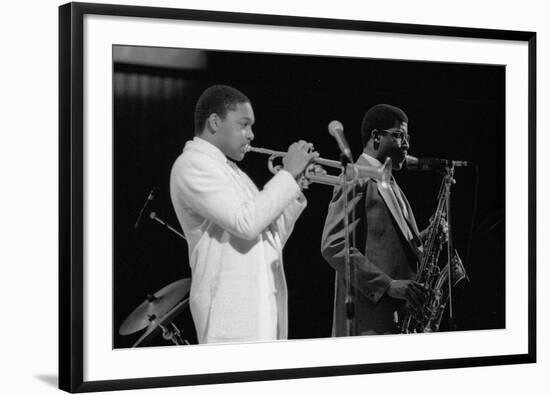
x=375, y=135
x=212, y=123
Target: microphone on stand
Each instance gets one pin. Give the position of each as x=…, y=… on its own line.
x=147, y=201
x=414, y=163
x=336, y=130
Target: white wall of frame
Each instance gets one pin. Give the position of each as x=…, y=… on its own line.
x=28, y=155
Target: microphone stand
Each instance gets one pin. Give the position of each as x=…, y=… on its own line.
x=155, y=217
x=149, y=199
x=450, y=248
x=349, y=268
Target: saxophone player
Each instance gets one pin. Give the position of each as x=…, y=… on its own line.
x=388, y=241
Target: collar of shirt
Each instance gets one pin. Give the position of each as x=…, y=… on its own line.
x=372, y=160
x=207, y=148
x=375, y=162
x=237, y=174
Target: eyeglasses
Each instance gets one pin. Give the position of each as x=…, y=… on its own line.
x=398, y=135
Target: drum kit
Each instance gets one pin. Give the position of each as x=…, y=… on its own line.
x=157, y=312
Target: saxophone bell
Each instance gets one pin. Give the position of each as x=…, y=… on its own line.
x=438, y=277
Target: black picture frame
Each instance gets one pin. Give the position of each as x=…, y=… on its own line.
x=71, y=194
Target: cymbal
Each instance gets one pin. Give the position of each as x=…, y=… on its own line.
x=155, y=306
x=155, y=327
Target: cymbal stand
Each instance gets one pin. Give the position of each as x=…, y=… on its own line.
x=173, y=333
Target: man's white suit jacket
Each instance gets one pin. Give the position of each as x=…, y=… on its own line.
x=235, y=235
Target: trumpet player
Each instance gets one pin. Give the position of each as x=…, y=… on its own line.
x=388, y=241
x=235, y=232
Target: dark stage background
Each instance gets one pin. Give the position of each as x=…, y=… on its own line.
x=455, y=111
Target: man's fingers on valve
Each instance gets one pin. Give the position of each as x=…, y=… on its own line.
x=313, y=154
x=300, y=145
x=309, y=149
x=306, y=145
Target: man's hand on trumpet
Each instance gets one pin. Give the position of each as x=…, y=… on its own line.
x=313, y=169
x=298, y=157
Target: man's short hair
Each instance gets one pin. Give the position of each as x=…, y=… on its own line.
x=216, y=99
x=381, y=116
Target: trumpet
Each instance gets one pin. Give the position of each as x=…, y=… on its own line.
x=315, y=173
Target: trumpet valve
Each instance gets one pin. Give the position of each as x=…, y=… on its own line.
x=271, y=166
x=315, y=169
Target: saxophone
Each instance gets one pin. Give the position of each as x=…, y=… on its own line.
x=437, y=278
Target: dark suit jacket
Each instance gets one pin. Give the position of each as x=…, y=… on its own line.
x=388, y=247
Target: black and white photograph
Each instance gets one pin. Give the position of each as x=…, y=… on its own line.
x=275, y=197
x=228, y=203
x=248, y=197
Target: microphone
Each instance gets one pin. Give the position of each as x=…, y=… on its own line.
x=414, y=163
x=149, y=199
x=336, y=130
